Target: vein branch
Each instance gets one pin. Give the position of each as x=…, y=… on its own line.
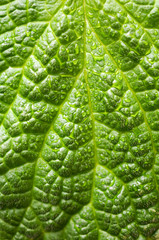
x=136, y=98
x=131, y=15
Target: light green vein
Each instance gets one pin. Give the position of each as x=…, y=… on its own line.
x=92, y=116
x=17, y=228
x=134, y=94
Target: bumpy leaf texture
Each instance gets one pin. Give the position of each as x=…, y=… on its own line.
x=79, y=114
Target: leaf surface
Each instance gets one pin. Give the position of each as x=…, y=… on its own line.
x=79, y=119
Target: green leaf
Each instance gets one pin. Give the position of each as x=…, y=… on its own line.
x=79, y=119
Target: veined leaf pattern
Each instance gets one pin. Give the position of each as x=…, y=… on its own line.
x=79, y=119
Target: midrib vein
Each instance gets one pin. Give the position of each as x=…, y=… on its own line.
x=92, y=115
x=93, y=119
